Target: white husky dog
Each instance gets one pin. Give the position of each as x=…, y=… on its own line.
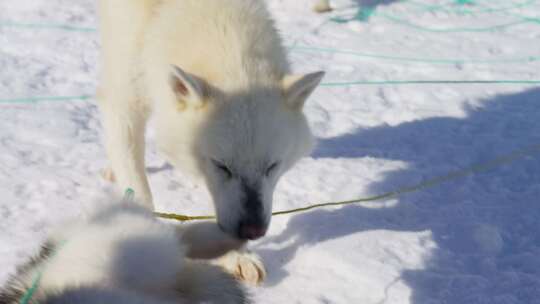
x=215, y=77
x=123, y=255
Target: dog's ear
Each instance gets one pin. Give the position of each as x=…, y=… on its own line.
x=189, y=90
x=297, y=88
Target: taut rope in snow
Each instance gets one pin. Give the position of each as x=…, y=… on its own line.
x=403, y=82
x=430, y=183
x=40, y=99
x=450, y=61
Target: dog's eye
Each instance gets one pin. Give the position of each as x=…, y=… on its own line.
x=271, y=169
x=223, y=168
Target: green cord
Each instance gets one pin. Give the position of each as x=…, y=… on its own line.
x=494, y=10
x=456, y=30
x=44, y=26
x=406, y=82
x=302, y=48
x=31, y=291
x=363, y=14
x=40, y=99
x=463, y=2
x=129, y=195
x=325, y=84
x=27, y=298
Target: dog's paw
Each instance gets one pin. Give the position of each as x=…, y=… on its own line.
x=250, y=269
x=243, y=265
x=108, y=175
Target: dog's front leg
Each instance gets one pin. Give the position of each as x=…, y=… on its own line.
x=124, y=126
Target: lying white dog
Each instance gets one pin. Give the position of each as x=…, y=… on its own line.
x=123, y=255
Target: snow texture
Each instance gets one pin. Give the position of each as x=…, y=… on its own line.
x=473, y=240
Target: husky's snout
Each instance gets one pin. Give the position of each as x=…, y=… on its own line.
x=253, y=224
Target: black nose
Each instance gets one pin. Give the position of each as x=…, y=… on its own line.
x=251, y=231
x=252, y=225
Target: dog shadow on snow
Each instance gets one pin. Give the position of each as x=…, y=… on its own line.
x=485, y=226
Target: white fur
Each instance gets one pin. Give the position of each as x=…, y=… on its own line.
x=215, y=76
x=112, y=245
x=122, y=254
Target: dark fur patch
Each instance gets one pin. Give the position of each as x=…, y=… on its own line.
x=46, y=250
x=15, y=288
x=11, y=294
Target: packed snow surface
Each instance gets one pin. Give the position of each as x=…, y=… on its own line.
x=472, y=240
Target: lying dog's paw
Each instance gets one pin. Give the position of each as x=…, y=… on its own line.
x=250, y=268
x=108, y=175
x=243, y=265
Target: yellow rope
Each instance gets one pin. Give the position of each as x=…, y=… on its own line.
x=183, y=218
x=497, y=162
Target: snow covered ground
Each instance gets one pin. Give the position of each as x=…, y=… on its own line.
x=473, y=240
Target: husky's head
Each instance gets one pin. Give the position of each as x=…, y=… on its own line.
x=241, y=143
